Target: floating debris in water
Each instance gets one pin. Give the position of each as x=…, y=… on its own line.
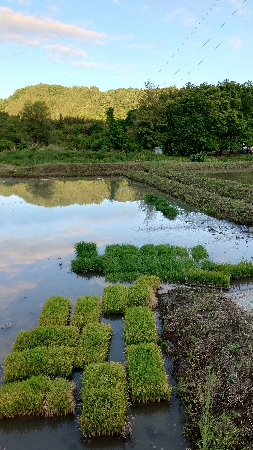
x=3, y=327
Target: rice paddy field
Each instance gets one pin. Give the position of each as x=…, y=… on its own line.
x=42, y=220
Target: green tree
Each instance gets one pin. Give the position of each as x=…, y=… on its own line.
x=37, y=117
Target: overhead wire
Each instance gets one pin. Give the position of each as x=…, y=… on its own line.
x=218, y=45
x=193, y=31
x=208, y=40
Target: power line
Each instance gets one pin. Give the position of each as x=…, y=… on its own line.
x=193, y=31
x=208, y=40
x=218, y=45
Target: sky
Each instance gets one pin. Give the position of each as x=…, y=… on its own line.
x=124, y=43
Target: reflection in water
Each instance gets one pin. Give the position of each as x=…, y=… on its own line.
x=37, y=233
x=51, y=193
x=244, y=177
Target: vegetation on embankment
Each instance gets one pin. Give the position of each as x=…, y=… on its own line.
x=211, y=343
x=176, y=177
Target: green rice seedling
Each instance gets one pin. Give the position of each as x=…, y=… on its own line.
x=114, y=299
x=104, y=397
x=199, y=252
x=51, y=361
x=46, y=336
x=147, y=377
x=122, y=260
x=93, y=345
x=87, y=310
x=87, y=249
x=55, y=312
x=242, y=269
x=138, y=294
x=87, y=258
x=208, y=278
x=39, y=395
x=140, y=325
x=151, y=280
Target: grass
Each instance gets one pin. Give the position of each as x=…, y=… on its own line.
x=139, y=294
x=87, y=310
x=114, y=299
x=147, y=378
x=46, y=336
x=55, y=312
x=50, y=361
x=104, y=399
x=94, y=343
x=140, y=325
x=37, y=396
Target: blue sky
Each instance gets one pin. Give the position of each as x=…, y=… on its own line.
x=124, y=43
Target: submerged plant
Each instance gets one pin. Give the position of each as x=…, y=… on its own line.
x=161, y=204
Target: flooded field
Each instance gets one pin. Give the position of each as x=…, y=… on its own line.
x=245, y=177
x=40, y=222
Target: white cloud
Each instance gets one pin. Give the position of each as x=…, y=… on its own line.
x=15, y=24
x=64, y=52
x=235, y=43
x=139, y=46
x=185, y=17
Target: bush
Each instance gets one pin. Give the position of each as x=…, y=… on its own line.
x=87, y=310
x=50, y=361
x=104, y=399
x=140, y=325
x=138, y=294
x=114, y=299
x=198, y=157
x=46, y=336
x=93, y=346
x=6, y=144
x=208, y=278
x=55, y=312
x=147, y=377
x=38, y=395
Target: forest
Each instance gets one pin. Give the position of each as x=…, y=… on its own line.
x=187, y=121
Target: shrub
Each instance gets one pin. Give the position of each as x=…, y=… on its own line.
x=55, y=312
x=138, y=294
x=104, y=397
x=46, y=336
x=51, y=361
x=87, y=310
x=93, y=345
x=151, y=280
x=114, y=299
x=208, y=278
x=37, y=396
x=198, y=157
x=147, y=377
x=140, y=325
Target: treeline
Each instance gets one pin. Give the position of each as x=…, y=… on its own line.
x=194, y=119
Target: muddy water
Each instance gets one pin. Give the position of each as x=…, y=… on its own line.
x=39, y=223
x=244, y=177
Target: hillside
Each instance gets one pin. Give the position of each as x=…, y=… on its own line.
x=76, y=101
